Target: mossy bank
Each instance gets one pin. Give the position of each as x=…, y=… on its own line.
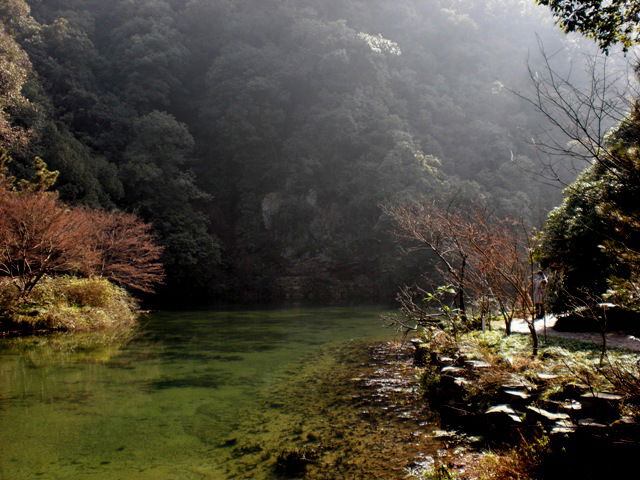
x=66, y=303
x=566, y=413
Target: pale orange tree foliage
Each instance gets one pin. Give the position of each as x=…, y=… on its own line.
x=481, y=256
x=127, y=250
x=499, y=251
x=438, y=230
x=42, y=236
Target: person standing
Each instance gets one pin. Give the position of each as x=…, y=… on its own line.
x=539, y=292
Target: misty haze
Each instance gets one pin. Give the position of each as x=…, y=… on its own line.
x=319, y=239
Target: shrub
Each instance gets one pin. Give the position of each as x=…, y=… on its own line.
x=521, y=462
x=624, y=377
x=90, y=292
x=439, y=472
x=429, y=380
x=69, y=303
x=8, y=295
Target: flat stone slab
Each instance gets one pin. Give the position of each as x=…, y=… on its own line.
x=504, y=411
x=563, y=427
x=568, y=406
x=590, y=423
x=517, y=382
x=519, y=394
x=462, y=382
x=546, y=415
x=444, y=433
x=477, y=364
x=627, y=426
x=502, y=408
x=571, y=406
x=602, y=406
x=451, y=370
x=604, y=396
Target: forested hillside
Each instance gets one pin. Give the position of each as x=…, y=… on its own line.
x=261, y=137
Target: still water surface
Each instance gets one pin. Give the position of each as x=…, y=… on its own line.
x=156, y=404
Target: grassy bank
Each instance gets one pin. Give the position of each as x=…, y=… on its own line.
x=66, y=303
x=532, y=417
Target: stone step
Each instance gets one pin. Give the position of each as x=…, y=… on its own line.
x=549, y=418
x=569, y=406
x=451, y=370
x=563, y=427
x=476, y=364
x=603, y=406
x=504, y=413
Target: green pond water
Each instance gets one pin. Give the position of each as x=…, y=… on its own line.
x=157, y=403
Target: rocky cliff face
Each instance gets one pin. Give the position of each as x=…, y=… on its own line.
x=319, y=259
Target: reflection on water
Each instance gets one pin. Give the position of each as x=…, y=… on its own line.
x=156, y=403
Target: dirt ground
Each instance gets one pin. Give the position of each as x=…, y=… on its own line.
x=614, y=339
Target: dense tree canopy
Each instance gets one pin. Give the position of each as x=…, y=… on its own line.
x=609, y=22
x=261, y=138
x=593, y=238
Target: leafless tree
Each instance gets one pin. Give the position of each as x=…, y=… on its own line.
x=439, y=230
x=481, y=255
x=500, y=265
x=580, y=113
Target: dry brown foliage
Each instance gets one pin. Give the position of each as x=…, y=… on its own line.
x=127, y=250
x=40, y=236
x=480, y=255
x=441, y=231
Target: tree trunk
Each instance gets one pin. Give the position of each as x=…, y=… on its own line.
x=461, y=304
x=534, y=337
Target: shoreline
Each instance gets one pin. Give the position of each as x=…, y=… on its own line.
x=355, y=411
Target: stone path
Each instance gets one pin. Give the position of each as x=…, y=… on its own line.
x=614, y=339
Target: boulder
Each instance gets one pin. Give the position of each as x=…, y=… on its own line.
x=602, y=406
x=420, y=353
